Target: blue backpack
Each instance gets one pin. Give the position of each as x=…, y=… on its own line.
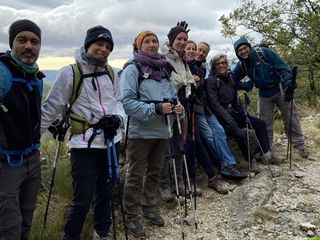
x=6, y=81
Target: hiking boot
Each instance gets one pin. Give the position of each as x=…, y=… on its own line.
x=96, y=236
x=217, y=184
x=254, y=166
x=271, y=159
x=232, y=172
x=154, y=218
x=166, y=194
x=183, y=192
x=304, y=152
x=135, y=228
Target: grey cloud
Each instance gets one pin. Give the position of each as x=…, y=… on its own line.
x=64, y=26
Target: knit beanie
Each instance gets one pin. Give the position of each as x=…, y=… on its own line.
x=139, y=39
x=173, y=33
x=97, y=33
x=20, y=26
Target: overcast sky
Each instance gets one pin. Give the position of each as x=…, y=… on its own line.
x=64, y=22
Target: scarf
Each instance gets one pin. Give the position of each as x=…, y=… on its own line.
x=28, y=69
x=152, y=64
x=91, y=60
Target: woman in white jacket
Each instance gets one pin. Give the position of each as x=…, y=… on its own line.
x=99, y=108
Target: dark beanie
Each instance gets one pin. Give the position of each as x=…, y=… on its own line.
x=20, y=26
x=174, y=32
x=97, y=33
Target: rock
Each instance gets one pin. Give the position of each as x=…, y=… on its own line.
x=276, y=172
x=310, y=233
x=298, y=174
x=312, y=159
x=307, y=226
x=259, y=221
x=189, y=220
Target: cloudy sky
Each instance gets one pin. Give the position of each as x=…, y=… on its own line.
x=64, y=23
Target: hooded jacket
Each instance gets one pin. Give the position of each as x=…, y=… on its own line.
x=182, y=75
x=91, y=104
x=267, y=77
x=145, y=123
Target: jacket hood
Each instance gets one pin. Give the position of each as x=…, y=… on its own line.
x=168, y=51
x=241, y=41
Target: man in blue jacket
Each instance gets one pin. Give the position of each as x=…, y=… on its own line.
x=272, y=76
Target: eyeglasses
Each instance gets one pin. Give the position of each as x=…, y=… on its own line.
x=221, y=63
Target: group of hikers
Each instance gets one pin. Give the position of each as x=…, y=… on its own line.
x=176, y=105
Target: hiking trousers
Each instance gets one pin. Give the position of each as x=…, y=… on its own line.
x=145, y=158
x=89, y=171
x=18, y=195
x=266, y=113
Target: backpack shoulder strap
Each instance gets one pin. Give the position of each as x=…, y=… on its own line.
x=262, y=56
x=110, y=73
x=77, y=82
x=6, y=80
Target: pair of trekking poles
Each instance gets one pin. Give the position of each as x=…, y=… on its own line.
x=112, y=169
x=187, y=183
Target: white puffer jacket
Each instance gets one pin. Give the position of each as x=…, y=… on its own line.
x=91, y=104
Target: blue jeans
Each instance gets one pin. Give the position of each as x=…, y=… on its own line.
x=212, y=133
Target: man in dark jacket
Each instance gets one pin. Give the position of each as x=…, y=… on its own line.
x=19, y=130
x=222, y=98
x=271, y=75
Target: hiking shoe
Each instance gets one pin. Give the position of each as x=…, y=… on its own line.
x=304, y=152
x=272, y=159
x=154, y=218
x=135, y=228
x=183, y=192
x=166, y=195
x=217, y=184
x=254, y=167
x=232, y=172
x=96, y=236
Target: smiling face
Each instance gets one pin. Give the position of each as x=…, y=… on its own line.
x=26, y=47
x=221, y=66
x=243, y=51
x=202, y=52
x=180, y=42
x=150, y=45
x=190, y=51
x=100, y=50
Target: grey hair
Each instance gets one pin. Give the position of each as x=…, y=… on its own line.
x=216, y=58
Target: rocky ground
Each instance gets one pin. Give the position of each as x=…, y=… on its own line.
x=284, y=207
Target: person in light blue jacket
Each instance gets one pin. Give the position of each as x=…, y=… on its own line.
x=272, y=76
x=143, y=101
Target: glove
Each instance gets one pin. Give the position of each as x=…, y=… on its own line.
x=56, y=128
x=111, y=124
x=183, y=24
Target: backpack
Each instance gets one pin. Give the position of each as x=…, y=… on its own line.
x=6, y=85
x=79, y=124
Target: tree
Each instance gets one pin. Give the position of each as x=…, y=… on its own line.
x=290, y=27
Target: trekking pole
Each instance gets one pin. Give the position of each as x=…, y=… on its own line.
x=113, y=178
x=255, y=135
x=192, y=116
x=60, y=138
x=165, y=100
x=175, y=102
x=246, y=102
x=294, y=71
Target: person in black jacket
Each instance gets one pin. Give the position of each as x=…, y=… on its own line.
x=222, y=98
x=20, y=130
x=210, y=131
